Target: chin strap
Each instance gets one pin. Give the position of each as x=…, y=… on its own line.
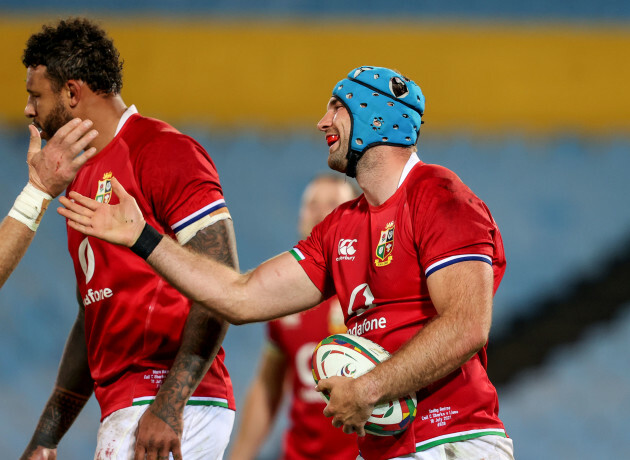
x=353, y=158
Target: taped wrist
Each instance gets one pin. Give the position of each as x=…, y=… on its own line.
x=147, y=241
x=30, y=205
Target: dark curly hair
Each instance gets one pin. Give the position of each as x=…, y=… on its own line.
x=76, y=49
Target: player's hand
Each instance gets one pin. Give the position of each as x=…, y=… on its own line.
x=155, y=438
x=348, y=405
x=39, y=453
x=52, y=168
x=121, y=223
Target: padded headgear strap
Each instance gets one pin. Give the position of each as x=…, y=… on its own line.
x=385, y=107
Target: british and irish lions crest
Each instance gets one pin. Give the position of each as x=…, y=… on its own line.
x=104, y=189
x=385, y=246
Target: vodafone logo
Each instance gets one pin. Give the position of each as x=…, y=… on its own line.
x=346, y=250
x=361, y=300
x=86, y=259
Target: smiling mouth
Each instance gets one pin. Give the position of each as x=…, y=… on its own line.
x=331, y=139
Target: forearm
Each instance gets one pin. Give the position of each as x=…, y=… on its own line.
x=59, y=414
x=203, y=332
x=437, y=350
x=276, y=288
x=202, y=338
x=15, y=238
x=204, y=281
x=18, y=228
x=462, y=296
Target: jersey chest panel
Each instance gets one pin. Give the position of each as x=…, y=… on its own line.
x=378, y=279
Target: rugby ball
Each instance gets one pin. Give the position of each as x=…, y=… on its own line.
x=351, y=356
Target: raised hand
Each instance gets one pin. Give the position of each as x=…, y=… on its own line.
x=119, y=224
x=52, y=168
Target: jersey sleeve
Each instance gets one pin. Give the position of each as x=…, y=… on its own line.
x=452, y=224
x=310, y=254
x=182, y=185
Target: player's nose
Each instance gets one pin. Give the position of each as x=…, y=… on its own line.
x=326, y=121
x=29, y=110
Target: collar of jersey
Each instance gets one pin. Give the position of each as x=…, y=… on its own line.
x=411, y=162
x=129, y=112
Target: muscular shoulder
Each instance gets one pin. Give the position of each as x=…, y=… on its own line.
x=427, y=182
x=155, y=138
x=427, y=175
x=156, y=148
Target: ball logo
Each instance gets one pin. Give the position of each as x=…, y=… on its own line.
x=86, y=259
x=346, y=250
x=348, y=370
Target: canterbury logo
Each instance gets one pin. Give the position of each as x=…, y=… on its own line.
x=86, y=259
x=346, y=250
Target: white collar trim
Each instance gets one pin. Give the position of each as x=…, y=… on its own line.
x=129, y=112
x=413, y=159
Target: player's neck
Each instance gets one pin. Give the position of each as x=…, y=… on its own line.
x=105, y=112
x=378, y=173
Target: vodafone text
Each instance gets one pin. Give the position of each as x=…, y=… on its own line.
x=367, y=325
x=96, y=296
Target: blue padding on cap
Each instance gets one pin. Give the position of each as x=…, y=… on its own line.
x=385, y=107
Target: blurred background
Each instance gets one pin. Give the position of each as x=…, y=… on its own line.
x=527, y=102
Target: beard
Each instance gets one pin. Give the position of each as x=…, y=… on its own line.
x=57, y=117
x=337, y=160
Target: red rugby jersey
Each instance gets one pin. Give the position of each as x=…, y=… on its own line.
x=377, y=260
x=133, y=318
x=310, y=434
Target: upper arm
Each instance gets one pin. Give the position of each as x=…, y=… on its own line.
x=463, y=292
x=218, y=242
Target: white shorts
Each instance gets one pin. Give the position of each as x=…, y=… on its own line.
x=488, y=447
x=206, y=433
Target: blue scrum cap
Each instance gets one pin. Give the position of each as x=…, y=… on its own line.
x=385, y=108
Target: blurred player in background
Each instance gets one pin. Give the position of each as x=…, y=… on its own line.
x=50, y=171
x=415, y=262
x=153, y=359
x=286, y=360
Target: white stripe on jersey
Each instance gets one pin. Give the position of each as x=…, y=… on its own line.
x=209, y=209
x=454, y=259
x=187, y=233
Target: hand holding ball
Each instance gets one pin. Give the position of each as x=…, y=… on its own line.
x=352, y=356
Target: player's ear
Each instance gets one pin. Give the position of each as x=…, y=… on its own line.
x=73, y=92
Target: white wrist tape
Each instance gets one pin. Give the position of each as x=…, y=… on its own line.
x=29, y=206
